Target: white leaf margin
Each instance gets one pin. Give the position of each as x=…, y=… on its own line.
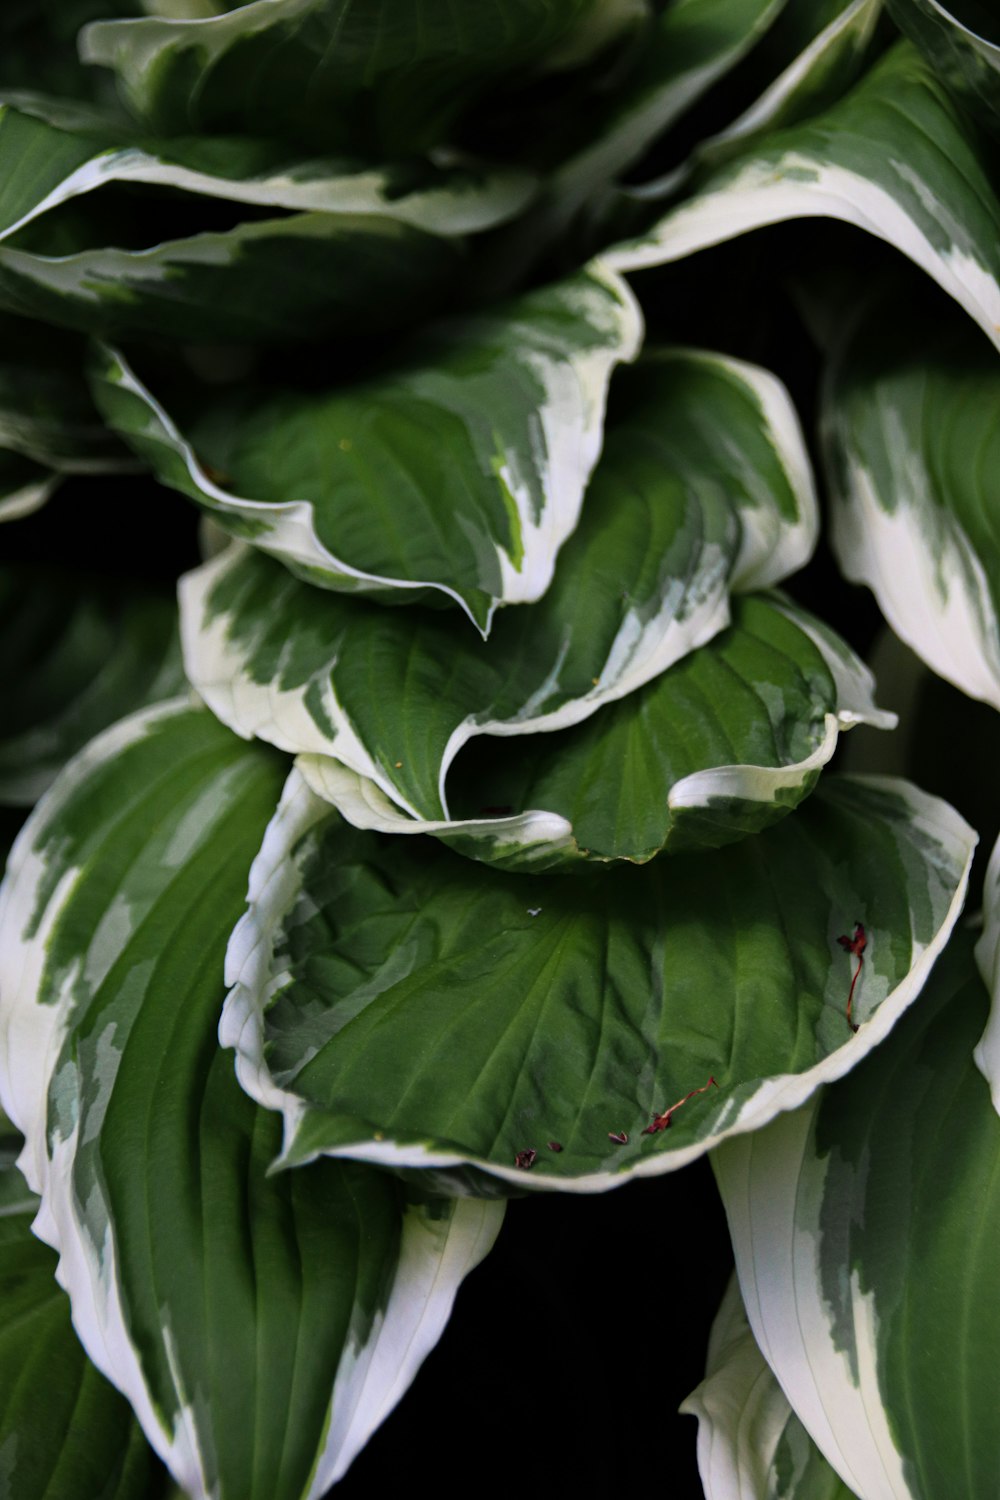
x=572, y=448
x=916, y=558
x=741, y=1409
x=640, y=121
x=274, y=885
x=641, y=650
x=771, y=190
x=771, y=549
x=853, y=28
x=436, y=1253
x=539, y=836
x=987, y=1052
x=321, y=186
x=773, y=1222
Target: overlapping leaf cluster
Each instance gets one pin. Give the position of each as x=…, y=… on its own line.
x=481, y=806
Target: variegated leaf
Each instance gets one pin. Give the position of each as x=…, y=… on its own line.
x=403, y=1006
x=64, y=1432
x=912, y=429
x=459, y=472
x=894, y=157
x=963, y=48
x=56, y=153
x=369, y=75
x=987, y=1052
x=688, y=46
x=720, y=746
x=260, y=1326
x=819, y=49
x=865, y=1228
x=704, y=486
x=751, y=1445
x=371, y=247
x=301, y=276
x=25, y=486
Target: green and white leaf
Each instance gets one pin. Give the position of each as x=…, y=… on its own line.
x=461, y=472
x=807, y=59
x=720, y=746
x=966, y=59
x=686, y=49
x=300, y=276
x=865, y=1229
x=912, y=436
x=261, y=1327
x=367, y=245
x=987, y=1053
x=78, y=654
x=894, y=157
x=751, y=1445
x=374, y=76
x=404, y=1006
x=826, y=47
x=54, y=154
x=704, y=486
x=64, y=1431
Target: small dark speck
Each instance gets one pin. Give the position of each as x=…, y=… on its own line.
x=555, y=1145
x=525, y=1159
x=621, y=1139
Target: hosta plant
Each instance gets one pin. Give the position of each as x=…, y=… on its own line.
x=488, y=803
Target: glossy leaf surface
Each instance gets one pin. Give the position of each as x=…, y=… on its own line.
x=865, y=1228
x=379, y=76
x=751, y=1445
x=912, y=425
x=704, y=487
x=64, y=1431
x=461, y=470
x=261, y=1327
x=966, y=57
x=720, y=746
x=403, y=1006
x=894, y=157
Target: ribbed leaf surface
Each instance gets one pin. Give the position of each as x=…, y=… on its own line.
x=402, y=1005
x=704, y=486
x=261, y=1327
x=751, y=1445
x=386, y=77
x=966, y=57
x=460, y=470
x=912, y=425
x=894, y=157
x=865, y=1228
x=64, y=1431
